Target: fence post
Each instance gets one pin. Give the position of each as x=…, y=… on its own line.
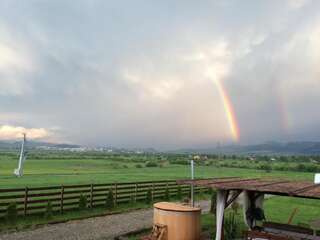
x=25, y=201
x=91, y=196
x=135, y=192
x=116, y=193
x=61, y=198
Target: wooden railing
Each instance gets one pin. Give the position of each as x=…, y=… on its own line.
x=34, y=200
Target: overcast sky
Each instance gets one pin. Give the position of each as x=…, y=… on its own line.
x=143, y=73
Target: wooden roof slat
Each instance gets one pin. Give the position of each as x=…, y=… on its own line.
x=236, y=181
x=275, y=187
x=272, y=183
x=305, y=189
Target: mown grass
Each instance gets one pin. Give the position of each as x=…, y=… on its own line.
x=57, y=172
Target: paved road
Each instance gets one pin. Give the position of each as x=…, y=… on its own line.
x=98, y=228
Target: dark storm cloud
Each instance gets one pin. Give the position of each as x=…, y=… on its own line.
x=134, y=73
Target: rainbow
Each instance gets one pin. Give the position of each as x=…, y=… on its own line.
x=230, y=114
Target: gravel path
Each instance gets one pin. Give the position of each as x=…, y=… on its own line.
x=98, y=228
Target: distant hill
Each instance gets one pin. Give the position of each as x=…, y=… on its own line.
x=269, y=148
x=7, y=145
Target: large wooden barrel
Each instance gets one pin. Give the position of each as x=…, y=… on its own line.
x=183, y=222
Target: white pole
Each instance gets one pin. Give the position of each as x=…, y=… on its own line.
x=192, y=178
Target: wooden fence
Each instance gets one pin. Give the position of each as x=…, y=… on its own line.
x=34, y=200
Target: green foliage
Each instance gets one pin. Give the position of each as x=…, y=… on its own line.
x=149, y=197
x=132, y=199
x=213, y=202
x=167, y=194
x=12, y=213
x=110, y=200
x=231, y=227
x=138, y=166
x=179, y=192
x=151, y=164
x=235, y=207
x=83, y=202
x=49, y=211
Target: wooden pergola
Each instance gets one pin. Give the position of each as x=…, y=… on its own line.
x=254, y=190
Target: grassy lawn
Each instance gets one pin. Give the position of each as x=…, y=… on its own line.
x=57, y=172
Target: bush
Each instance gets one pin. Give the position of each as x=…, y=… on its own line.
x=110, y=200
x=149, y=197
x=139, y=166
x=235, y=207
x=231, y=227
x=213, y=202
x=151, y=164
x=167, y=194
x=12, y=213
x=179, y=192
x=49, y=211
x=132, y=199
x=82, y=202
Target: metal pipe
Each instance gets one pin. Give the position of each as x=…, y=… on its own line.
x=192, y=178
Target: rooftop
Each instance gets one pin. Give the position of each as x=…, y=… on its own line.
x=302, y=189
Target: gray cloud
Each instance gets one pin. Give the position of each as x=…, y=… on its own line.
x=142, y=73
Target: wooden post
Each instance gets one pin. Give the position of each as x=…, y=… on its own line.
x=61, y=198
x=116, y=193
x=135, y=192
x=25, y=201
x=91, y=196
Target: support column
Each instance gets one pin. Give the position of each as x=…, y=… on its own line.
x=222, y=196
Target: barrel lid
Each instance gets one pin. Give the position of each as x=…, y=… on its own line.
x=178, y=207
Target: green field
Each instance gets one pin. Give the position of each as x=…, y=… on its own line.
x=43, y=169
x=63, y=168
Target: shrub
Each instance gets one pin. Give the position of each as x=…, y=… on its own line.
x=235, y=207
x=167, y=194
x=49, y=211
x=149, y=196
x=231, y=227
x=139, y=166
x=132, y=200
x=82, y=202
x=12, y=213
x=110, y=200
x=179, y=192
x=151, y=164
x=213, y=202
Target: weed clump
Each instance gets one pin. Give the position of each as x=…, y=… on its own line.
x=83, y=202
x=49, y=211
x=12, y=213
x=149, y=197
x=110, y=200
